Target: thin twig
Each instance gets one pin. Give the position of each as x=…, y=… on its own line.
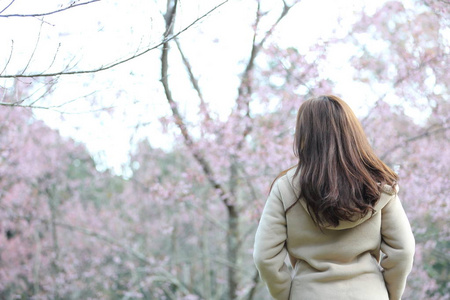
x=54, y=57
x=192, y=78
x=122, y=61
x=15, y=104
x=7, y=6
x=47, y=13
x=425, y=134
x=9, y=58
x=34, y=50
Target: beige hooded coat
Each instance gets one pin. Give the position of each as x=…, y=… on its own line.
x=368, y=259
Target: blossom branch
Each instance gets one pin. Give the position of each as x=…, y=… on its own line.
x=427, y=133
x=245, y=89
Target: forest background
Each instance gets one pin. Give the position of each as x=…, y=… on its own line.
x=138, y=139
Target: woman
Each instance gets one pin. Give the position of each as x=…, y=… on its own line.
x=336, y=215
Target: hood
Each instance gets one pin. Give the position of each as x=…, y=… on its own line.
x=387, y=193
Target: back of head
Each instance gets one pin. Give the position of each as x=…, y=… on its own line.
x=340, y=175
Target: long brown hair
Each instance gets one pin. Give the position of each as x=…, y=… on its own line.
x=338, y=173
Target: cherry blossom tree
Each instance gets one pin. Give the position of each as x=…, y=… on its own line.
x=35, y=192
x=64, y=232
x=409, y=123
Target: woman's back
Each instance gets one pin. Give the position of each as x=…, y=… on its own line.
x=334, y=215
x=339, y=262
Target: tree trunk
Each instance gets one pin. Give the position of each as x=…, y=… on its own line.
x=232, y=250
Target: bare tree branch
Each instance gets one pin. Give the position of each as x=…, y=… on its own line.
x=21, y=100
x=245, y=89
x=233, y=215
x=170, y=17
x=54, y=58
x=166, y=39
x=9, y=58
x=7, y=6
x=47, y=13
x=34, y=50
x=193, y=79
x=233, y=241
x=56, y=108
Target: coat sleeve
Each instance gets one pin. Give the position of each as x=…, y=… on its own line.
x=270, y=249
x=398, y=245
